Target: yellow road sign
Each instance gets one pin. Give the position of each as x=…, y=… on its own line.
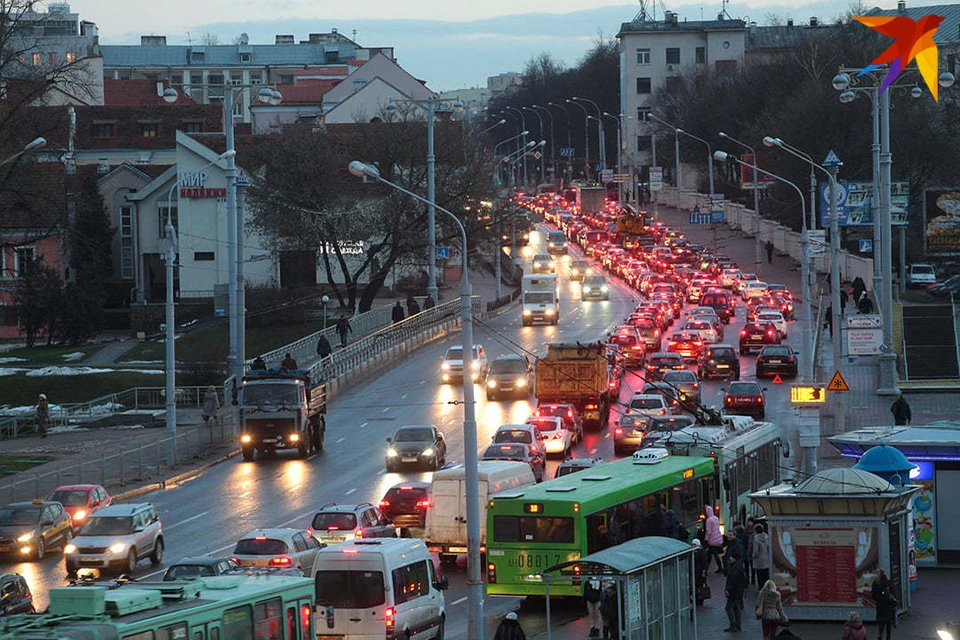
x=801, y=394
x=837, y=383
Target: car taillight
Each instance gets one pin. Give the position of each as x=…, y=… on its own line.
x=696, y=386
x=384, y=504
x=729, y=399
x=423, y=504
x=282, y=561
x=656, y=333
x=612, y=384
x=618, y=431
x=491, y=573
x=760, y=399
x=569, y=414
x=590, y=405
x=388, y=616
x=790, y=359
x=770, y=332
x=358, y=534
x=743, y=332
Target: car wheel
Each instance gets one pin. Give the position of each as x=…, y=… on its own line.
x=41, y=549
x=71, y=572
x=736, y=376
x=439, y=635
x=157, y=556
x=247, y=454
x=131, y=565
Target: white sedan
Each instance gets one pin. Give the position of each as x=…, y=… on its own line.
x=285, y=548
x=704, y=328
x=776, y=319
x=556, y=437
x=648, y=404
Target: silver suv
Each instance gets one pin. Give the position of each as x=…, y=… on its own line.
x=115, y=539
x=336, y=523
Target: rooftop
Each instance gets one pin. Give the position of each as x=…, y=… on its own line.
x=226, y=55
x=949, y=31
x=671, y=23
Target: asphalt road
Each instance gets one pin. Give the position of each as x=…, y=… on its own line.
x=208, y=514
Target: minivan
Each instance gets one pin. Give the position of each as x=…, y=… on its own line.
x=378, y=589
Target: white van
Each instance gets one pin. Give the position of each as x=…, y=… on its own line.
x=378, y=589
x=446, y=530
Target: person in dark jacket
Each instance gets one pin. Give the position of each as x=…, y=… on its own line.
x=672, y=525
x=258, y=364
x=741, y=533
x=413, y=307
x=429, y=303
x=733, y=548
x=323, y=346
x=700, y=562
x=609, y=609
x=885, y=603
x=397, y=313
x=510, y=629
x=592, y=593
x=288, y=363
x=734, y=589
x=901, y=411
x=769, y=247
x=607, y=538
x=866, y=305
x=343, y=328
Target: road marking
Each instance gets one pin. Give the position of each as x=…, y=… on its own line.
x=402, y=397
x=177, y=524
x=385, y=409
x=456, y=602
x=350, y=491
x=340, y=440
x=364, y=424
x=244, y=494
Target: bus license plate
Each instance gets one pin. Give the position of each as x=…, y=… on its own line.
x=534, y=560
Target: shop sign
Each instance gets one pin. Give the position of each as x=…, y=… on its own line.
x=192, y=186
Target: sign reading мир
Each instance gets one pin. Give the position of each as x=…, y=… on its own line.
x=192, y=186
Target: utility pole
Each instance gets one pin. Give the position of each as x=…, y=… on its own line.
x=837, y=317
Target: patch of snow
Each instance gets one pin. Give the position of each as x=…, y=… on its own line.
x=73, y=357
x=9, y=346
x=10, y=371
x=10, y=359
x=84, y=371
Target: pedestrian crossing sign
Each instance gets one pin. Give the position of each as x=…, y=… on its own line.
x=837, y=383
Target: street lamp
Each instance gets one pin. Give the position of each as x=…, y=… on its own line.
x=543, y=177
x=494, y=126
x=235, y=223
x=709, y=161
x=323, y=302
x=602, y=155
x=553, y=148
x=756, y=199
x=676, y=151
x=522, y=134
x=475, y=621
x=36, y=143
x=882, y=182
x=586, y=134
x=569, y=142
x=523, y=125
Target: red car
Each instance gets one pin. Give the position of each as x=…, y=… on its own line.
x=688, y=345
x=80, y=500
x=746, y=399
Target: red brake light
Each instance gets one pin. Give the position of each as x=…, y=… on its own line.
x=770, y=332
x=333, y=528
x=618, y=431
x=384, y=504
x=743, y=332
x=358, y=534
x=729, y=399
x=260, y=537
x=388, y=618
x=282, y=561
x=423, y=504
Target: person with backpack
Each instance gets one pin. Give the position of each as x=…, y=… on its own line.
x=734, y=589
x=592, y=593
x=885, y=602
x=760, y=550
x=854, y=629
x=510, y=629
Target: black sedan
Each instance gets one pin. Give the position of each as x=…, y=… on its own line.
x=756, y=335
x=406, y=504
x=777, y=359
x=422, y=445
x=745, y=399
x=517, y=453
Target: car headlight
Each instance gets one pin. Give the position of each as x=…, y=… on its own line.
x=491, y=383
x=428, y=452
x=80, y=515
x=521, y=382
x=245, y=439
x=27, y=537
x=391, y=453
x=527, y=312
x=548, y=312
x=586, y=288
x=604, y=288
x=118, y=547
x=445, y=366
x=70, y=548
x=294, y=437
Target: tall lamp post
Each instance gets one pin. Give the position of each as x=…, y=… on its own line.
x=586, y=134
x=493, y=126
x=235, y=223
x=569, y=139
x=475, y=621
x=553, y=147
x=616, y=120
x=756, y=200
x=676, y=151
x=500, y=144
x=848, y=85
x=601, y=139
x=523, y=126
x=709, y=160
x=36, y=143
x=543, y=176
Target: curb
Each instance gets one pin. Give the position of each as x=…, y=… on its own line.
x=186, y=475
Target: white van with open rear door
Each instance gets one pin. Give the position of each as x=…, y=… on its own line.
x=378, y=589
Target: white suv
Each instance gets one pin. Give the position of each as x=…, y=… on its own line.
x=921, y=275
x=116, y=538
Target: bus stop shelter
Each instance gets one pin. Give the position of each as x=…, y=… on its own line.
x=654, y=577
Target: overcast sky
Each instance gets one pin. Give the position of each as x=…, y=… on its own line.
x=448, y=44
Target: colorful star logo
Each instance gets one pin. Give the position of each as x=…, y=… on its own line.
x=914, y=40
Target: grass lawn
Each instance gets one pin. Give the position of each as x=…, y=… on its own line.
x=259, y=340
x=15, y=464
x=50, y=355
x=20, y=390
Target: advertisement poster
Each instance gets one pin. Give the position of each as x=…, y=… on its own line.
x=746, y=173
x=825, y=566
x=941, y=217
x=924, y=523
x=855, y=200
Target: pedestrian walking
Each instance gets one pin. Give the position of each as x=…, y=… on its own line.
x=258, y=364
x=885, y=602
x=211, y=405
x=323, y=346
x=866, y=304
x=760, y=554
x=901, y=411
x=734, y=589
x=288, y=363
x=769, y=610
x=854, y=629
x=43, y=415
x=700, y=562
x=714, y=538
x=828, y=323
x=592, y=593
x=343, y=328
x=510, y=629
x=744, y=539
x=733, y=547
x=413, y=308
x=769, y=247
x=429, y=303
x=844, y=298
x=610, y=611
x=397, y=313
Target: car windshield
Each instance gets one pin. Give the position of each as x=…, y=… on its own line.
x=107, y=526
x=188, y=572
x=624, y=340
x=922, y=269
x=679, y=376
x=334, y=521
x=505, y=451
x=260, y=547
x=545, y=425
x=670, y=424
x=421, y=434
x=664, y=362
x=454, y=353
x=70, y=497
x=270, y=394
x=744, y=389
x=595, y=280
x=776, y=351
x=646, y=403
x=513, y=435
x=538, y=297
x=721, y=353
x=19, y=515
x=508, y=365
x=698, y=326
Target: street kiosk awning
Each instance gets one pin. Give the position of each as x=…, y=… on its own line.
x=630, y=557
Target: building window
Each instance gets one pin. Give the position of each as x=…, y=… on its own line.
x=673, y=85
x=203, y=256
x=236, y=78
x=193, y=126
x=643, y=114
x=37, y=59
x=196, y=80
x=700, y=55
x=643, y=56
x=673, y=55
x=952, y=63
x=643, y=143
x=238, y=108
x=54, y=60
x=23, y=257
x=215, y=79
x=726, y=67
x=256, y=77
x=149, y=129
x=126, y=242
x=71, y=57
x=104, y=129
x=162, y=218
x=284, y=79
x=643, y=85
x=244, y=57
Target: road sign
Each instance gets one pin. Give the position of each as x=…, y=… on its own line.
x=804, y=394
x=606, y=175
x=621, y=177
x=864, y=321
x=716, y=216
x=656, y=179
x=837, y=383
x=443, y=253
x=536, y=154
x=777, y=379
x=832, y=160
x=700, y=218
x=866, y=246
x=566, y=152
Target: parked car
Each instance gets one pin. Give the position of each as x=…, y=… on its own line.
x=510, y=375
x=921, y=275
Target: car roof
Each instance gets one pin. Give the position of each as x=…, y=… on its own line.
x=647, y=396
x=127, y=509
x=666, y=354
x=271, y=533
x=30, y=504
x=509, y=356
x=206, y=561
x=340, y=508
x=76, y=487
x=415, y=426
x=415, y=484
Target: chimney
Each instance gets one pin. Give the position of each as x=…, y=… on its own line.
x=901, y=6
x=284, y=39
x=789, y=22
x=155, y=41
x=814, y=21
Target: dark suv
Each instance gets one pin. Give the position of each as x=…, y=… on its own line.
x=406, y=504
x=721, y=302
x=15, y=596
x=718, y=360
x=661, y=362
x=755, y=335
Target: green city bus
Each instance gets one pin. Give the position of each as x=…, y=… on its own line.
x=232, y=607
x=560, y=520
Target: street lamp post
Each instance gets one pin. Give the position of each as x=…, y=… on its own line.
x=553, y=148
x=586, y=134
x=883, y=160
x=756, y=201
x=501, y=143
x=36, y=143
x=493, y=126
x=523, y=126
x=475, y=620
x=616, y=121
x=676, y=151
x=569, y=140
x=601, y=139
x=709, y=160
x=543, y=177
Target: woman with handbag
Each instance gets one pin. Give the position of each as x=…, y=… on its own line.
x=770, y=609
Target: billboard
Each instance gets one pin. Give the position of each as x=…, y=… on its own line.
x=855, y=199
x=941, y=220
x=746, y=174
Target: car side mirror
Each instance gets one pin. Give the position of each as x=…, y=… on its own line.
x=763, y=388
x=95, y=503
x=442, y=584
x=389, y=440
x=138, y=529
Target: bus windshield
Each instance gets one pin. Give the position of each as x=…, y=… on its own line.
x=532, y=529
x=349, y=589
